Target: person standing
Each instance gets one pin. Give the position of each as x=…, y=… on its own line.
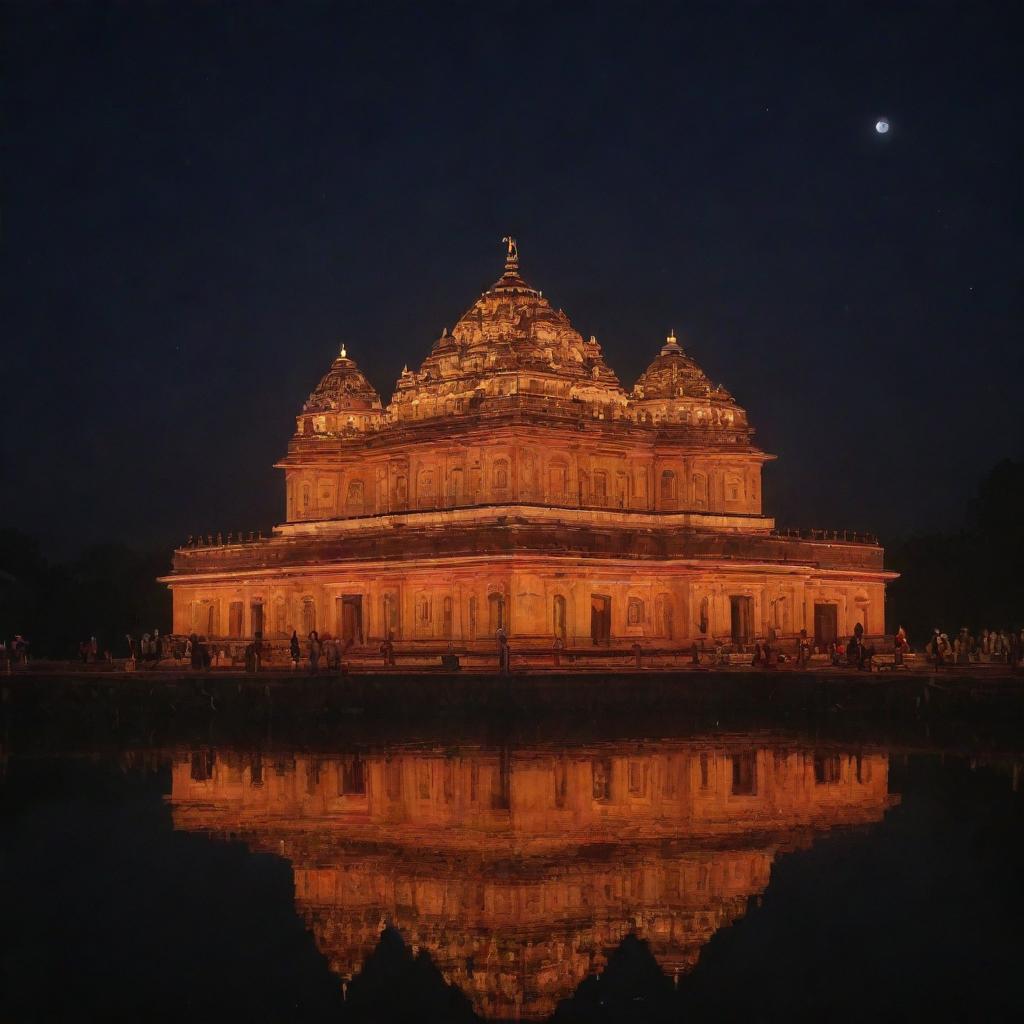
x=293, y=648
x=503, y=655
x=387, y=649
x=195, y=651
x=315, y=650
x=803, y=650
x=855, y=648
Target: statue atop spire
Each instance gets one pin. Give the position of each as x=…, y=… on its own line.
x=512, y=259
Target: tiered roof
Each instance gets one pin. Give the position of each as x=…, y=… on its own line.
x=512, y=342
x=343, y=388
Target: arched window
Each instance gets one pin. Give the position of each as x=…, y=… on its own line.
x=455, y=491
x=355, y=497
x=307, y=497
x=495, y=612
x=557, y=479
x=308, y=615
x=425, y=487
x=668, y=485
x=635, y=612
x=280, y=617
x=700, y=490
x=663, y=615
x=501, y=474
x=447, y=618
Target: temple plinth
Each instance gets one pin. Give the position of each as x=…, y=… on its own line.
x=513, y=481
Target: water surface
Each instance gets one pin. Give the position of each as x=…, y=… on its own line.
x=754, y=876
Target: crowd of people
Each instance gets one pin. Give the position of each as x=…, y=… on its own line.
x=318, y=648
x=992, y=646
x=326, y=653
x=13, y=653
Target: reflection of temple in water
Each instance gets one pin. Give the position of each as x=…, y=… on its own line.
x=518, y=871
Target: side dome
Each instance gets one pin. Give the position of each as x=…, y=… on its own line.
x=343, y=389
x=675, y=390
x=342, y=402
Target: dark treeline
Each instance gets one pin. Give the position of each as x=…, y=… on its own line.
x=108, y=591
x=973, y=577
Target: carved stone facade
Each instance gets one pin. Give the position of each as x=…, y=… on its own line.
x=512, y=480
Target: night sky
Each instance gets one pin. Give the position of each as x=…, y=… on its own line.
x=202, y=202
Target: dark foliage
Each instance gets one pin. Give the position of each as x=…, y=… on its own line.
x=972, y=578
x=108, y=591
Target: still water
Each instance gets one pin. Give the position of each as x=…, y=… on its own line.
x=749, y=876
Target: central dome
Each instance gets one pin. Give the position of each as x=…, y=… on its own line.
x=511, y=340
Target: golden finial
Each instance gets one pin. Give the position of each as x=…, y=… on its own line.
x=671, y=339
x=344, y=354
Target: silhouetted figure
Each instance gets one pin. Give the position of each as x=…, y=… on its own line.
x=503, y=650
x=901, y=645
x=196, y=651
x=293, y=648
x=315, y=650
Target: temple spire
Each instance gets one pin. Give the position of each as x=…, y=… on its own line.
x=512, y=257
x=671, y=344
x=510, y=281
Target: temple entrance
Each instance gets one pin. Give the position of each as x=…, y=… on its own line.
x=600, y=619
x=826, y=624
x=741, y=611
x=350, y=618
x=256, y=614
x=495, y=612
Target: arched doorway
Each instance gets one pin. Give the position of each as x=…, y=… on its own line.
x=558, y=617
x=600, y=619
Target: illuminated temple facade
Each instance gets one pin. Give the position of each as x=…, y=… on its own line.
x=519, y=870
x=513, y=480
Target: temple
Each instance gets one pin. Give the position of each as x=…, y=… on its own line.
x=520, y=869
x=512, y=481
